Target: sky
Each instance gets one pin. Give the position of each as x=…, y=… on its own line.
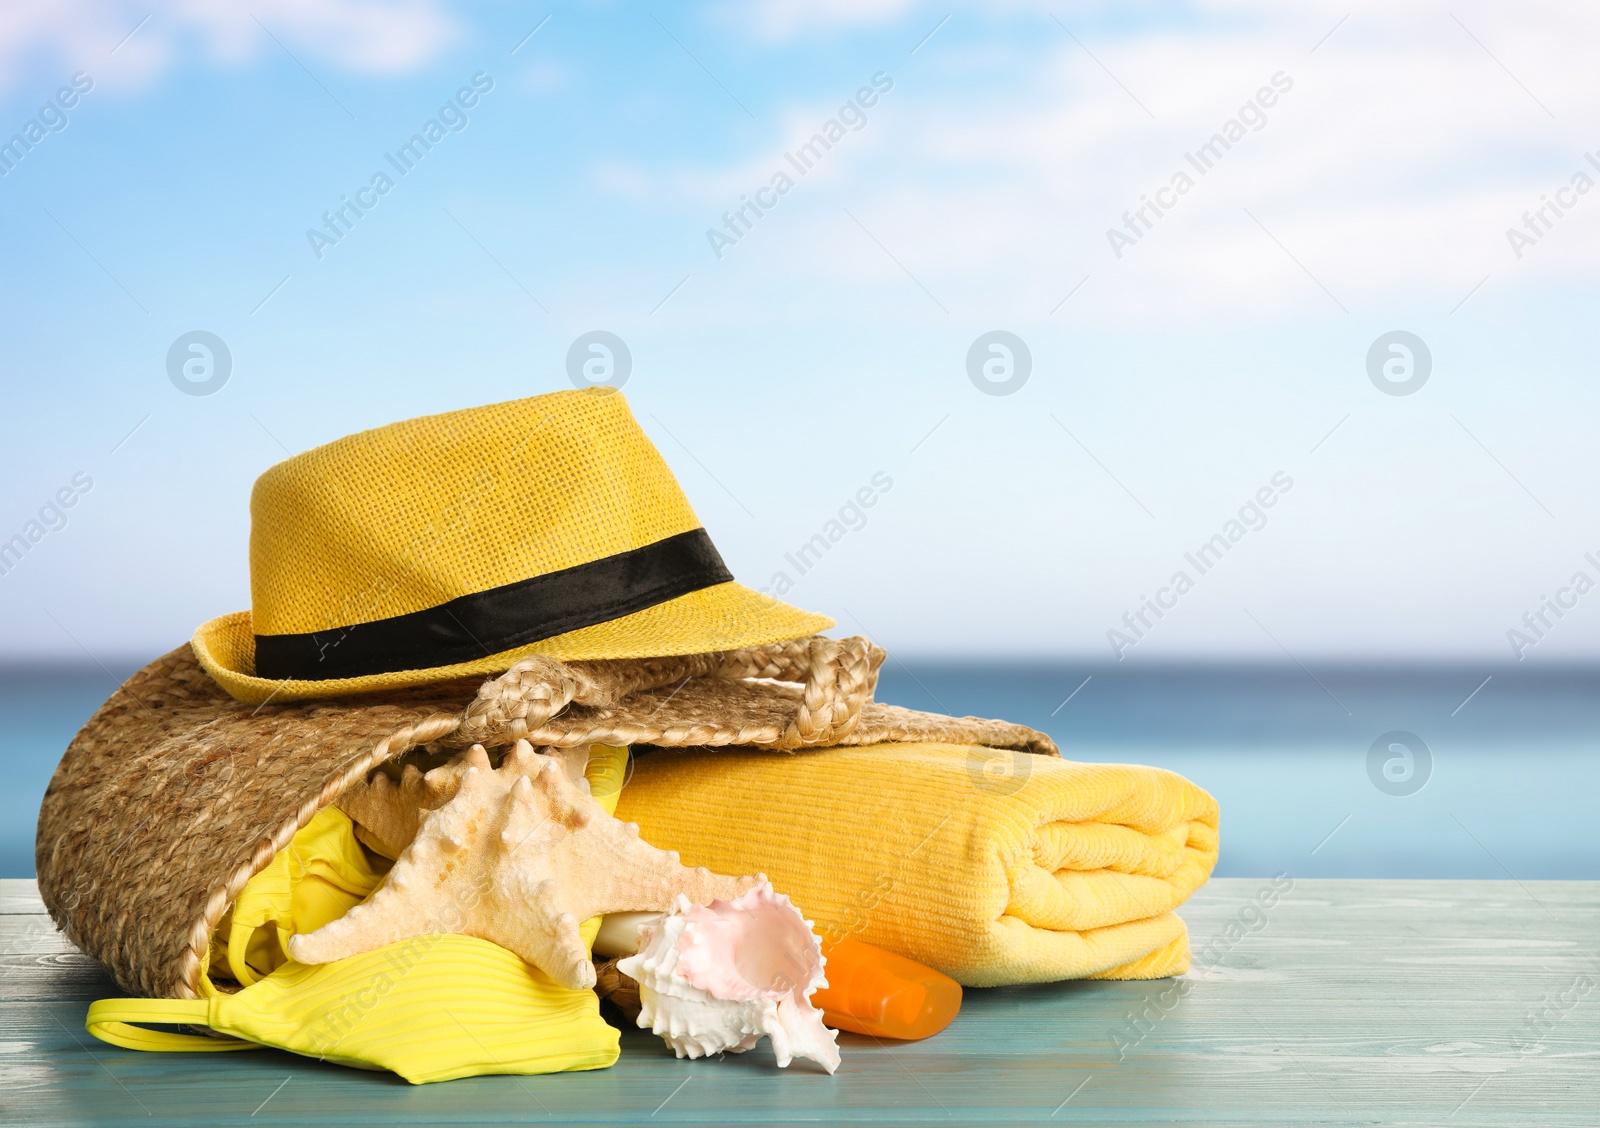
x=1382, y=171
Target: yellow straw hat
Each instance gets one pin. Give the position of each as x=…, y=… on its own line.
x=456, y=544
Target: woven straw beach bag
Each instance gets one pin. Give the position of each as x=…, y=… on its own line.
x=175, y=794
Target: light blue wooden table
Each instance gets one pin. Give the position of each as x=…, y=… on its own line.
x=1349, y=1002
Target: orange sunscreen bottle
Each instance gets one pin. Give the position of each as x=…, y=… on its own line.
x=871, y=991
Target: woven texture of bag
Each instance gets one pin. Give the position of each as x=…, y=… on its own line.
x=175, y=794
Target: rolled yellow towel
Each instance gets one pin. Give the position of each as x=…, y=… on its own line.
x=1046, y=870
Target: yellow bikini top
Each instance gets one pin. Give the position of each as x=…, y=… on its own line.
x=430, y=1008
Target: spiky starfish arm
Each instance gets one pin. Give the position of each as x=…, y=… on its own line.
x=518, y=860
x=392, y=810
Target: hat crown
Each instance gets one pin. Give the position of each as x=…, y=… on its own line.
x=409, y=516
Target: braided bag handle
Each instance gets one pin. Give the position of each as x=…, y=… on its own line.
x=837, y=676
x=521, y=700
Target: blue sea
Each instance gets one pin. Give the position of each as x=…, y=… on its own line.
x=1331, y=771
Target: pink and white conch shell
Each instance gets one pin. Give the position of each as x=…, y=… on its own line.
x=721, y=977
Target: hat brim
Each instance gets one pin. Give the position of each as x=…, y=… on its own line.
x=722, y=617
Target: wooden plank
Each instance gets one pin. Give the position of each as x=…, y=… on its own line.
x=19, y=895
x=1342, y=1002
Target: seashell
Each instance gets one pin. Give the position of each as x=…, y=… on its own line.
x=391, y=810
x=721, y=977
x=517, y=856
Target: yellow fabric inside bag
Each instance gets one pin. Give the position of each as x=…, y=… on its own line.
x=321, y=875
x=430, y=1008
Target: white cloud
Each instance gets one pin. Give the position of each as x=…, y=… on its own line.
x=1411, y=140
x=115, y=42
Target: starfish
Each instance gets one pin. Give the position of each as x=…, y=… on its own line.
x=391, y=810
x=518, y=857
